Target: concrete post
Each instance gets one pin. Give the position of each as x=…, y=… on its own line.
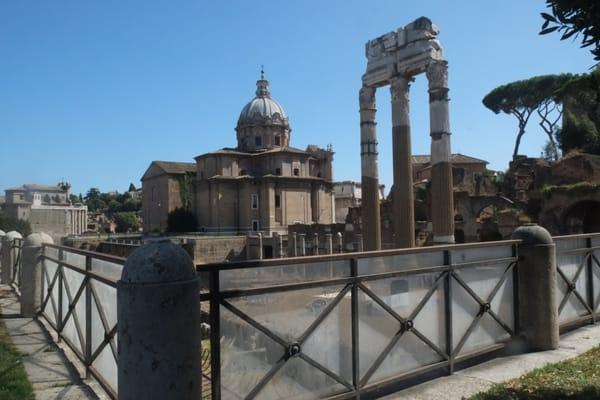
x=369, y=169
x=159, y=325
x=359, y=242
x=8, y=256
x=537, y=287
x=340, y=238
x=302, y=244
x=442, y=193
x=403, y=197
x=316, y=245
x=329, y=243
x=31, y=273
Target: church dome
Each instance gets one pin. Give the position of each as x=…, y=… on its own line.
x=263, y=123
x=262, y=110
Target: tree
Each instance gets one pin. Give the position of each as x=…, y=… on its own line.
x=93, y=193
x=8, y=224
x=126, y=222
x=581, y=122
x=132, y=188
x=181, y=220
x=73, y=199
x=575, y=17
x=95, y=205
x=541, y=94
x=114, y=206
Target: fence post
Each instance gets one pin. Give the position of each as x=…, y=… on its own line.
x=158, y=315
x=31, y=272
x=340, y=242
x=329, y=243
x=359, y=242
x=302, y=244
x=8, y=256
x=538, y=313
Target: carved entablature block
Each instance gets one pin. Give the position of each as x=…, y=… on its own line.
x=408, y=52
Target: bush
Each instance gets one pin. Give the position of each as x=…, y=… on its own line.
x=126, y=222
x=181, y=220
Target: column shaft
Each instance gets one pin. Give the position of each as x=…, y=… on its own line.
x=442, y=194
x=371, y=224
x=403, y=197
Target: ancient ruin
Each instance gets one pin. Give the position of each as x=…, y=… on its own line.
x=394, y=59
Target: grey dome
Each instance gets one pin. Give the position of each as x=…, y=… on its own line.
x=37, y=239
x=2, y=233
x=262, y=109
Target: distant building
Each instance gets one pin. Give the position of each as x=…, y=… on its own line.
x=161, y=191
x=348, y=194
x=47, y=208
x=263, y=184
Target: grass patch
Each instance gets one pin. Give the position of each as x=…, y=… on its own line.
x=577, y=378
x=14, y=384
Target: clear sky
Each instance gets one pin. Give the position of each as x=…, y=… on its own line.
x=93, y=91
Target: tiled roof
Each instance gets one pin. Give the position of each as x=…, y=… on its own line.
x=172, y=167
x=455, y=158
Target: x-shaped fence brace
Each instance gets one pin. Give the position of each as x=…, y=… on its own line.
x=294, y=348
x=87, y=355
x=589, y=259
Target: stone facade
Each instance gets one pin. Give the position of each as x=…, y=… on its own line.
x=348, y=194
x=161, y=191
x=47, y=208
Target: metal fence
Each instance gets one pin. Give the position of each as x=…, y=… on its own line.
x=347, y=325
x=578, y=280
x=79, y=301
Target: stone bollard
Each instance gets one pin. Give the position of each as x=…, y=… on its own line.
x=295, y=243
x=302, y=244
x=8, y=256
x=340, y=242
x=538, y=313
x=359, y=242
x=316, y=245
x=31, y=273
x=260, y=246
x=159, y=325
x=329, y=243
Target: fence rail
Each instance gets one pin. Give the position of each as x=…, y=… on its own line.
x=16, y=278
x=79, y=301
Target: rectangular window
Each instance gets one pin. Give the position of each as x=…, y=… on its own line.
x=277, y=201
x=277, y=140
x=254, y=201
x=255, y=225
x=153, y=193
x=258, y=140
x=296, y=171
x=277, y=171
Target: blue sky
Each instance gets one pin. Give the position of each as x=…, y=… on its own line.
x=93, y=91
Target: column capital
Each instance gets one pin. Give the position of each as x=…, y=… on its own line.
x=437, y=74
x=366, y=97
x=399, y=87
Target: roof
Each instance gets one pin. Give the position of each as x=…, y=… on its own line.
x=234, y=152
x=455, y=158
x=33, y=186
x=172, y=167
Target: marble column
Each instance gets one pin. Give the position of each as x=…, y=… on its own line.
x=442, y=206
x=371, y=224
x=403, y=198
